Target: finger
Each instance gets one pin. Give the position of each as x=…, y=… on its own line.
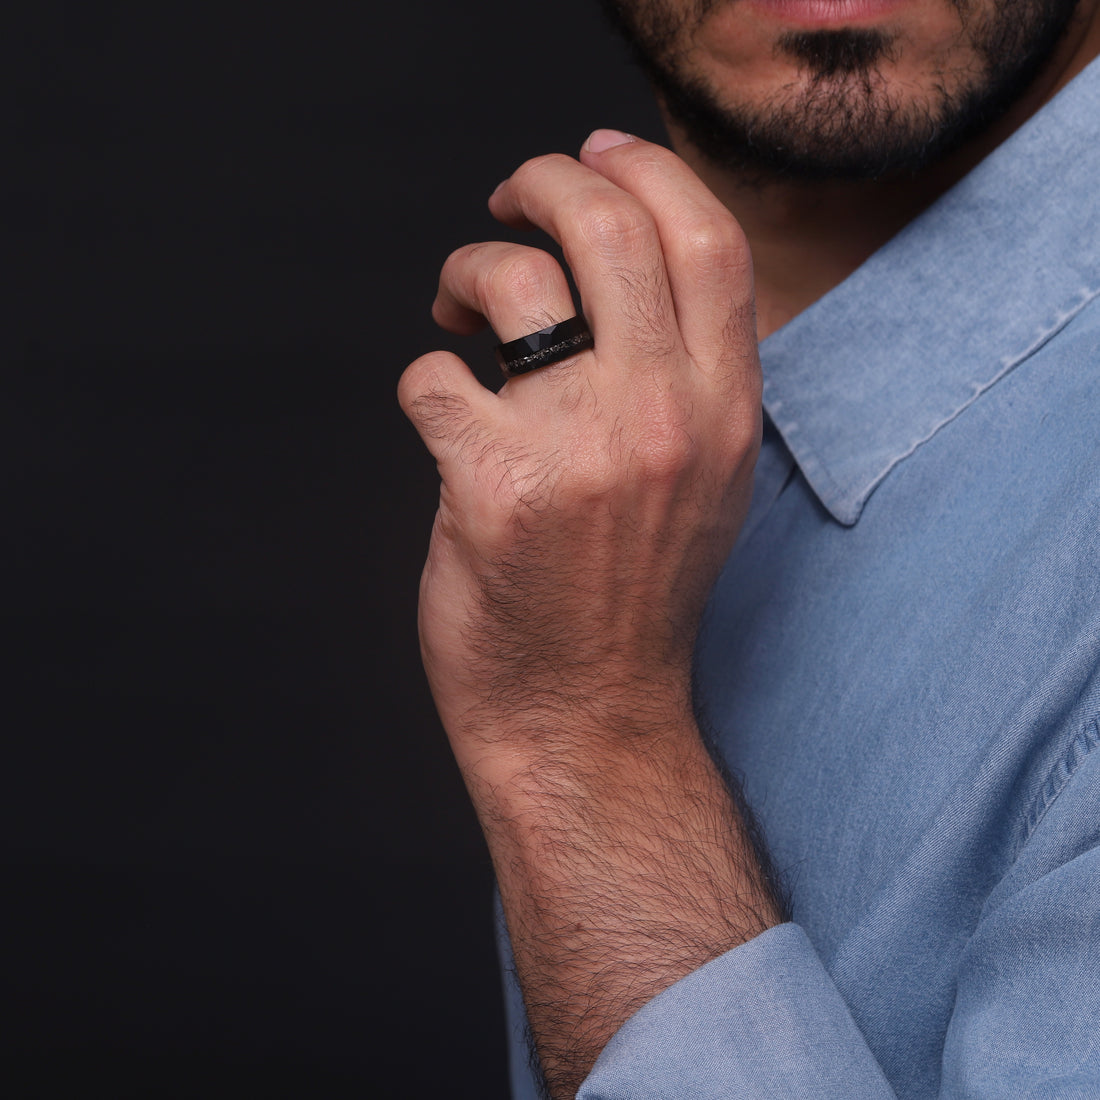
x=706, y=254
x=518, y=289
x=612, y=246
x=447, y=405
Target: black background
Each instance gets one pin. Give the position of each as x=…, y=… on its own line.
x=237, y=857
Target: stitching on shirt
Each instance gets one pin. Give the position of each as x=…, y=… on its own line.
x=1008, y=364
x=1079, y=749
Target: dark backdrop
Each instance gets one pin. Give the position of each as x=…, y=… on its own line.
x=237, y=858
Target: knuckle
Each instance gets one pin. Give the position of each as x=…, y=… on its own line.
x=716, y=245
x=458, y=257
x=520, y=277
x=427, y=399
x=646, y=164
x=608, y=225
x=530, y=172
x=666, y=452
x=664, y=446
x=415, y=380
x=460, y=261
x=443, y=416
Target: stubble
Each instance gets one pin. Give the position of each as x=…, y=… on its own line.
x=844, y=118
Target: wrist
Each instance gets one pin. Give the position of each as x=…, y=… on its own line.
x=545, y=782
x=606, y=732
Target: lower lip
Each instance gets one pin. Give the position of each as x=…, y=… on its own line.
x=828, y=13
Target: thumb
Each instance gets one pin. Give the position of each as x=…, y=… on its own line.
x=445, y=402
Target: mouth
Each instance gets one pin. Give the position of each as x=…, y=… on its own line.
x=827, y=14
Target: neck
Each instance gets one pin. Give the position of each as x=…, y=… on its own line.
x=808, y=237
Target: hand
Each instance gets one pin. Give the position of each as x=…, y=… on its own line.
x=585, y=509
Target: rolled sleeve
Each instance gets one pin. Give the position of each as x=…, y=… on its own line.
x=764, y=1019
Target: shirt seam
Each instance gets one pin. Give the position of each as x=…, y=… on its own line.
x=1007, y=365
x=1059, y=776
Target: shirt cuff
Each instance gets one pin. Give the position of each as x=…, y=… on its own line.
x=765, y=1019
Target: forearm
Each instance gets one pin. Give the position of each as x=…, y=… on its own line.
x=585, y=511
x=621, y=871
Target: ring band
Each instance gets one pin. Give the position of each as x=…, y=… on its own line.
x=548, y=345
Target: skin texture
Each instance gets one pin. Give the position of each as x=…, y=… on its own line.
x=586, y=509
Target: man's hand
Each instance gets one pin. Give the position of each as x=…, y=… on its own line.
x=584, y=514
x=586, y=508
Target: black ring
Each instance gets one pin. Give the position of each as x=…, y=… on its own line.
x=548, y=345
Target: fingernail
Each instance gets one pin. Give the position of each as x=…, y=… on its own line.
x=498, y=187
x=601, y=140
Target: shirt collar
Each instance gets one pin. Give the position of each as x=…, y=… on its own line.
x=965, y=293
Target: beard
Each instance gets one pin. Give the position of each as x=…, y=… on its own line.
x=843, y=120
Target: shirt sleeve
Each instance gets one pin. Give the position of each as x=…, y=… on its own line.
x=764, y=1019
x=767, y=1020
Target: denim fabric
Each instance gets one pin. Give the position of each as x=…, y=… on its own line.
x=902, y=660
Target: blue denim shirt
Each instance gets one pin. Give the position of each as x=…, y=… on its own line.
x=901, y=659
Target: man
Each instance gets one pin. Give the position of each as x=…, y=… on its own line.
x=901, y=654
